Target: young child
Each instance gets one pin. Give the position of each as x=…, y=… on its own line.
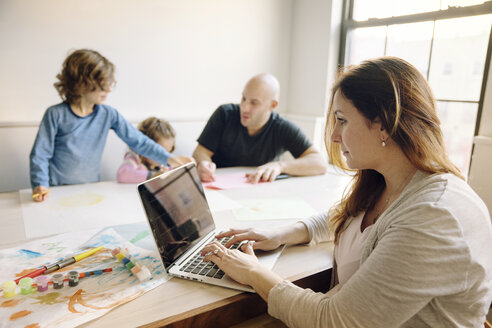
x=72, y=134
x=137, y=168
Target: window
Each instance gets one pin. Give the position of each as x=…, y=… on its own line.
x=447, y=40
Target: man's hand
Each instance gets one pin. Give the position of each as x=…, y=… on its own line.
x=205, y=166
x=206, y=170
x=40, y=193
x=267, y=173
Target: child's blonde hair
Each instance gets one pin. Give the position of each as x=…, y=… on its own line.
x=157, y=128
x=84, y=70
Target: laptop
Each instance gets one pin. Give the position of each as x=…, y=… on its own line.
x=182, y=224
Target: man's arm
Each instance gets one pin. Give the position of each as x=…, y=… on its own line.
x=309, y=163
x=204, y=164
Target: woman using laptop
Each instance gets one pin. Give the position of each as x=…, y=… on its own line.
x=412, y=239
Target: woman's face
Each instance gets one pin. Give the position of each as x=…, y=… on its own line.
x=359, y=139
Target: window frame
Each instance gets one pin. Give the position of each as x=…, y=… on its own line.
x=348, y=24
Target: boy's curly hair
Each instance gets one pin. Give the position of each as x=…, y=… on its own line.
x=84, y=70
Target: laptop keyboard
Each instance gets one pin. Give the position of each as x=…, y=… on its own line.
x=196, y=265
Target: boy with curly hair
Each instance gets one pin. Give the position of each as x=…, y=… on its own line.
x=71, y=137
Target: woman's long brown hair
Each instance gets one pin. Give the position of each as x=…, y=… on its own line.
x=393, y=91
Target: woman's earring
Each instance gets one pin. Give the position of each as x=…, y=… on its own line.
x=383, y=143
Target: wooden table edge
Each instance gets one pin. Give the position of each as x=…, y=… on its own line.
x=237, y=308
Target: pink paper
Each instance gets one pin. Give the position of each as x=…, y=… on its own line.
x=229, y=181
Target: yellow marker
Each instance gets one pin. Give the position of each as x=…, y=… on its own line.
x=88, y=253
x=71, y=260
x=40, y=194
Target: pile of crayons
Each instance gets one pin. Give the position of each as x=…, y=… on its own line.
x=27, y=285
x=140, y=271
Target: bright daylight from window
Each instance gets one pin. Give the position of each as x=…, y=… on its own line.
x=450, y=52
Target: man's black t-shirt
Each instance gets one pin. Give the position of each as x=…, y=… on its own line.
x=233, y=146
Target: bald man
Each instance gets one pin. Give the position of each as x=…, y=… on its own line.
x=252, y=134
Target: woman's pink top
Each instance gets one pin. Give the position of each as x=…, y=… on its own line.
x=349, y=249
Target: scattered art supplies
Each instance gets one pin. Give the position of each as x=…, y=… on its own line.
x=77, y=293
x=45, y=269
x=28, y=285
x=140, y=271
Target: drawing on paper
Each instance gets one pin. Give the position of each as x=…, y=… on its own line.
x=92, y=297
x=80, y=207
x=81, y=199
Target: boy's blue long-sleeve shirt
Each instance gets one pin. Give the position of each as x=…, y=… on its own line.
x=68, y=148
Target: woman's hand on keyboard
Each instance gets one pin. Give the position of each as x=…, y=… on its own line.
x=263, y=239
x=235, y=263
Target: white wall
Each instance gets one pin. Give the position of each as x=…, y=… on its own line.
x=316, y=26
x=314, y=55
x=178, y=59
x=480, y=177
x=175, y=59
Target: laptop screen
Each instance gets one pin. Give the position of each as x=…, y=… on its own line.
x=177, y=211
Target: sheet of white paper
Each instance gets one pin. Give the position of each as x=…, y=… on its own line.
x=219, y=202
x=273, y=209
x=79, y=207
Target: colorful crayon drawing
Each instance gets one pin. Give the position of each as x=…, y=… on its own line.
x=92, y=297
